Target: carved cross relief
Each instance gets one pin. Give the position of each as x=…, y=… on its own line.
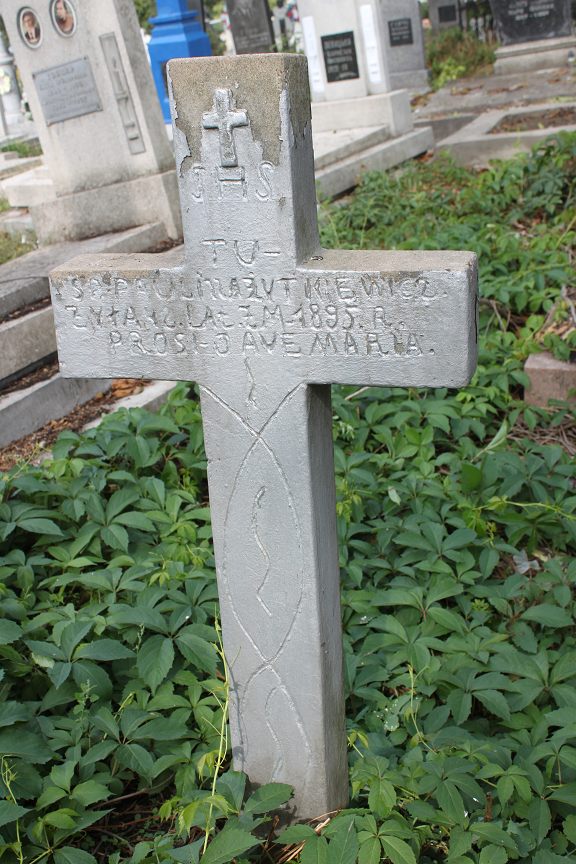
x=265, y=320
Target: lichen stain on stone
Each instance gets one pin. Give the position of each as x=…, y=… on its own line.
x=262, y=78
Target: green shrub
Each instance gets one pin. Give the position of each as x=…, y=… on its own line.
x=455, y=53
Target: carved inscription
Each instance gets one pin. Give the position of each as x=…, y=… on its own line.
x=297, y=314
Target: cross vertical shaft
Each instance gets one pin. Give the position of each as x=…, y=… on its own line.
x=273, y=511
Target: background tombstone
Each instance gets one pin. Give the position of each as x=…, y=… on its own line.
x=251, y=26
x=443, y=14
x=403, y=35
x=98, y=118
x=535, y=34
x=352, y=83
x=177, y=32
x=265, y=320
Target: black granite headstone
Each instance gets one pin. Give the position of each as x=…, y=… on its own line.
x=340, y=57
x=197, y=6
x=401, y=32
x=251, y=26
x=529, y=20
x=447, y=14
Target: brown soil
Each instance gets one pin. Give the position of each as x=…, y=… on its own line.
x=38, y=445
x=26, y=310
x=164, y=246
x=537, y=120
x=42, y=373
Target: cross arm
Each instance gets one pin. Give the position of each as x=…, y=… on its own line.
x=413, y=315
x=347, y=317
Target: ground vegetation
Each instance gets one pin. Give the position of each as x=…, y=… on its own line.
x=456, y=53
x=457, y=526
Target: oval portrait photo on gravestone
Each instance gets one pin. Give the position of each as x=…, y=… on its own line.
x=63, y=17
x=29, y=27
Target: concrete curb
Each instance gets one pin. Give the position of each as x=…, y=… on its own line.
x=25, y=280
x=26, y=340
x=27, y=410
x=475, y=144
x=343, y=175
x=443, y=127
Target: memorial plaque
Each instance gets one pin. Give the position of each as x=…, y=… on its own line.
x=251, y=26
x=447, y=14
x=401, y=32
x=67, y=91
x=530, y=20
x=340, y=57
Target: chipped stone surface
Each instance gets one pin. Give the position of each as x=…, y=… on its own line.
x=265, y=320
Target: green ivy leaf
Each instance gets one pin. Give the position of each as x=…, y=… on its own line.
x=155, y=659
x=228, y=845
x=10, y=812
x=398, y=851
x=268, y=797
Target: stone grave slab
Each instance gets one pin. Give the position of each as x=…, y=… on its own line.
x=265, y=320
x=25, y=280
x=99, y=121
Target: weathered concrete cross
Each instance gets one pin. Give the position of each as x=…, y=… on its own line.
x=265, y=320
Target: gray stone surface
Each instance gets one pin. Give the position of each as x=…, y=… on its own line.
x=123, y=142
x=487, y=92
x=442, y=127
x=476, y=143
x=116, y=206
x=24, y=411
x=384, y=109
x=265, y=320
x=549, y=379
x=330, y=147
x=25, y=280
x=443, y=14
x=324, y=18
x=26, y=340
x=338, y=175
x=533, y=56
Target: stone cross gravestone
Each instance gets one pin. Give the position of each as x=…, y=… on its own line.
x=265, y=320
x=87, y=78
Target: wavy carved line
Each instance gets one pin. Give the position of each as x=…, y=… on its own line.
x=255, y=507
x=266, y=664
x=259, y=439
